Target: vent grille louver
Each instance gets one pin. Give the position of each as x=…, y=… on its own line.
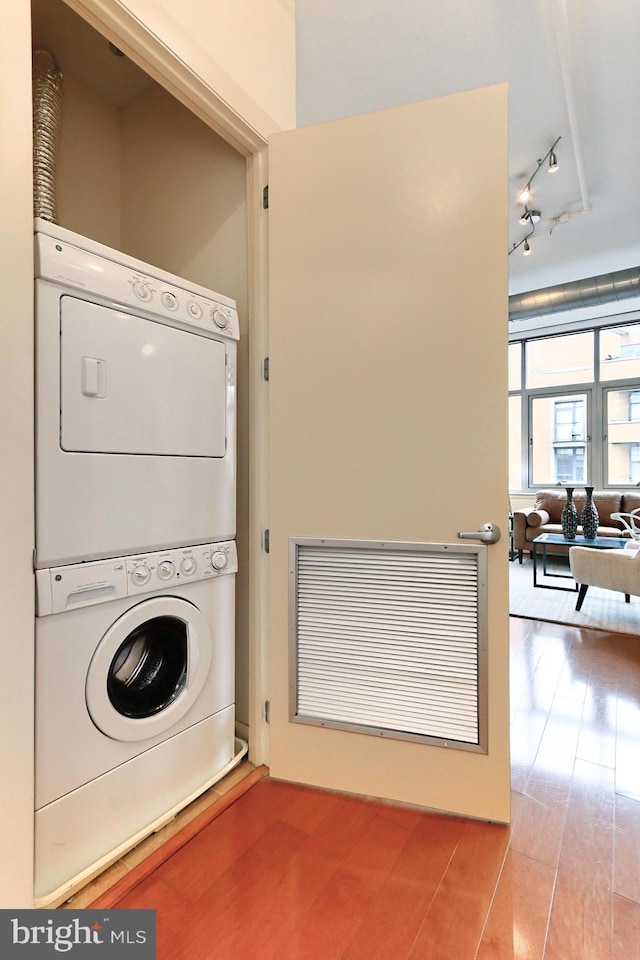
x=385, y=639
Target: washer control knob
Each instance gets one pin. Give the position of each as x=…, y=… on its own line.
x=188, y=566
x=141, y=574
x=165, y=570
x=142, y=290
x=220, y=318
x=219, y=560
x=194, y=310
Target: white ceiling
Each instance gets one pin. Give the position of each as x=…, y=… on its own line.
x=573, y=69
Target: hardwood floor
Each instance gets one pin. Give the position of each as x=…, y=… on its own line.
x=292, y=873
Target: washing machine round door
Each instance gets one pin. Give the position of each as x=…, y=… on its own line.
x=148, y=669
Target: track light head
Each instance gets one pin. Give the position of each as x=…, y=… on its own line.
x=553, y=162
x=529, y=217
x=526, y=249
x=525, y=194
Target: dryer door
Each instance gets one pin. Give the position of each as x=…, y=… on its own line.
x=148, y=669
x=134, y=386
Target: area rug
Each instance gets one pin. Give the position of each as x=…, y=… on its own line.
x=601, y=610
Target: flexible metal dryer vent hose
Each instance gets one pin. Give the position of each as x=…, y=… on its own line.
x=47, y=101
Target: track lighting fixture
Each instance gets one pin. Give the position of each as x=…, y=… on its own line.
x=526, y=193
x=531, y=217
x=524, y=243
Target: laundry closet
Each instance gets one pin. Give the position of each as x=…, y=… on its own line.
x=138, y=172
x=141, y=454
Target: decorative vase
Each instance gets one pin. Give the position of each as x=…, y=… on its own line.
x=589, y=517
x=569, y=517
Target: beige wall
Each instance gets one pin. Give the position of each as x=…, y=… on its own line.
x=183, y=195
x=89, y=161
x=16, y=463
x=380, y=336
x=253, y=41
x=244, y=50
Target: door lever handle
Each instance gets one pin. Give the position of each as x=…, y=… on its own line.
x=488, y=533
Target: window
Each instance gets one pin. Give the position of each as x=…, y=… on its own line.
x=620, y=352
x=515, y=366
x=570, y=425
x=569, y=464
x=559, y=439
x=622, y=432
x=569, y=420
x=559, y=361
x=515, y=442
x=574, y=408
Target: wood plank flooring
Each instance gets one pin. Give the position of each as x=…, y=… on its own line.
x=290, y=873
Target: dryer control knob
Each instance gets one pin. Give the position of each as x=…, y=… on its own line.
x=169, y=300
x=165, y=570
x=141, y=574
x=220, y=318
x=219, y=560
x=142, y=290
x=188, y=566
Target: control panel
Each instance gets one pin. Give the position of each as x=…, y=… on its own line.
x=155, y=571
x=130, y=283
x=97, y=581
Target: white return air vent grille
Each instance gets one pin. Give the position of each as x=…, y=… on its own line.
x=389, y=639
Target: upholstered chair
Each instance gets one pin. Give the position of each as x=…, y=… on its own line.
x=617, y=570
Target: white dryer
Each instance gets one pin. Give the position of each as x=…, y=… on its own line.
x=135, y=405
x=134, y=700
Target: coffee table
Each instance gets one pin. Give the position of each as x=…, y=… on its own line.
x=558, y=540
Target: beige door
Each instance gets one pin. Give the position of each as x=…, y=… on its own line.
x=388, y=385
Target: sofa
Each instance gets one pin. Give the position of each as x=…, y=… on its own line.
x=544, y=516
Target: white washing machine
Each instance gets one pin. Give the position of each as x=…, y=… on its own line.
x=135, y=405
x=134, y=700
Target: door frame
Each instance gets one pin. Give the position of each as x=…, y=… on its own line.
x=142, y=42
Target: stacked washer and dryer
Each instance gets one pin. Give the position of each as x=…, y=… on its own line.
x=135, y=553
